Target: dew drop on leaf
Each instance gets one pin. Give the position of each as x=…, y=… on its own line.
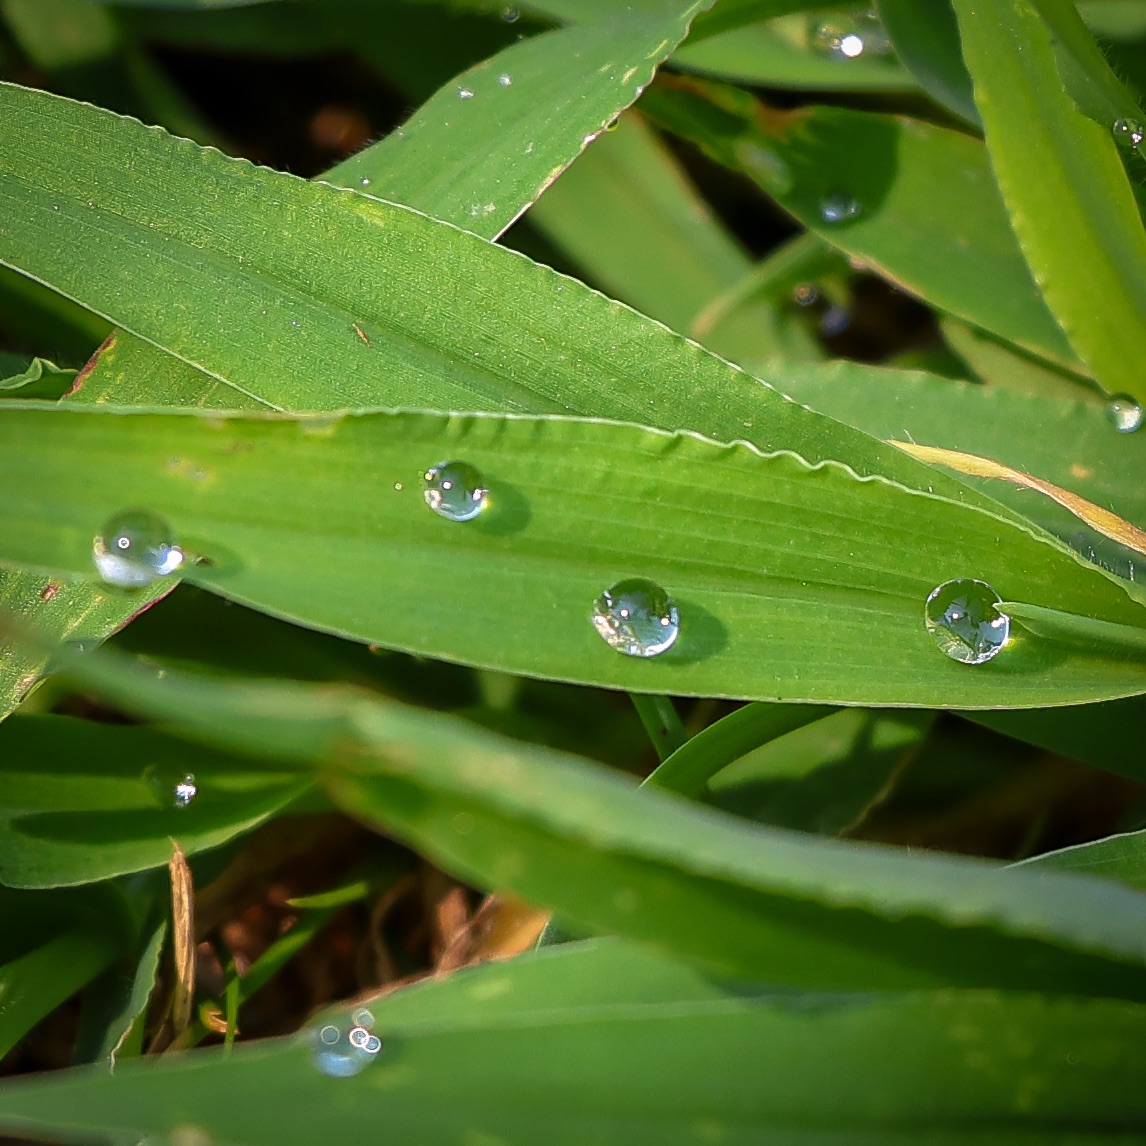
x=838, y=206
x=465, y=93
x=344, y=1052
x=1128, y=132
x=1125, y=413
x=455, y=490
x=636, y=617
x=510, y=15
x=964, y=620
x=505, y=79
x=172, y=788
x=134, y=549
x=850, y=36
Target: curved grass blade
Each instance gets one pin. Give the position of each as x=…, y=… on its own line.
x=1065, y=187
x=793, y=581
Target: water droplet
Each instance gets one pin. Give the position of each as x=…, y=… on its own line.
x=838, y=206
x=455, y=490
x=185, y=791
x=505, y=79
x=963, y=618
x=364, y=182
x=172, y=788
x=835, y=320
x=1125, y=413
x=805, y=294
x=465, y=93
x=510, y=15
x=362, y=1018
x=847, y=37
x=1128, y=132
x=295, y=322
x=134, y=549
x=344, y=1053
x=636, y=617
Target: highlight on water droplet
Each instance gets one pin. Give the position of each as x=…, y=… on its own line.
x=850, y=36
x=465, y=93
x=838, y=206
x=505, y=79
x=455, y=490
x=1125, y=413
x=964, y=620
x=637, y=617
x=1128, y=132
x=344, y=1052
x=134, y=549
x=171, y=787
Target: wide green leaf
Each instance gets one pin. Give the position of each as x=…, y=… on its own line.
x=793, y=580
x=1063, y=181
x=685, y=1064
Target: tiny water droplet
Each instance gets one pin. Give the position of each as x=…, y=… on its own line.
x=364, y=182
x=343, y=1053
x=362, y=1018
x=963, y=618
x=636, y=617
x=455, y=490
x=134, y=549
x=295, y=322
x=1125, y=413
x=805, y=294
x=838, y=206
x=510, y=15
x=465, y=93
x=505, y=79
x=398, y=487
x=1128, y=132
x=172, y=788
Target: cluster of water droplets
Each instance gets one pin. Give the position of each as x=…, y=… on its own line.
x=344, y=1052
x=850, y=35
x=964, y=620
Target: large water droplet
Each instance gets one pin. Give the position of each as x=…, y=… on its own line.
x=636, y=617
x=849, y=36
x=1125, y=413
x=1128, y=132
x=838, y=206
x=134, y=549
x=343, y=1053
x=456, y=491
x=964, y=619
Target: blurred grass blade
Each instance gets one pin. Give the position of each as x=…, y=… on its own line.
x=690, y=767
x=1105, y=735
x=794, y=581
x=926, y=40
x=1064, y=184
x=650, y=1074
x=747, y=901
x=915, y=202
x=84, y=801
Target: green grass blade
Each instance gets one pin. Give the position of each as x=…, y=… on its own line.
x=928, y=216
x=1067, y=192
x=583, y=841
x=1121, y=857
x=793, y=581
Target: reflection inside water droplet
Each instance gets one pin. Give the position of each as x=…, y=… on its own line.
x=838, y=206
x=636, y=617
x=1125, y=413
x=185, y=791
x=455, y=490
x=171, y=787
x=1128, y=132
x=134, y=549
x=850, y=36
x=344, y=1052
x=963, y=618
